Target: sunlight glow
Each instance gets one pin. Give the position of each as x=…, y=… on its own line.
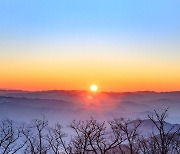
x=93, y=88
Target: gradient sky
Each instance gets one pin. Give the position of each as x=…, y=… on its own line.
x=120, y=45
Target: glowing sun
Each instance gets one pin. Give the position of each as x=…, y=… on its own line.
x=94, y=88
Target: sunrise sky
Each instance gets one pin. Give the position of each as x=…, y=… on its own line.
x=120, y=45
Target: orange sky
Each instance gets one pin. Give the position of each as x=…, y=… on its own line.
x=112, y=67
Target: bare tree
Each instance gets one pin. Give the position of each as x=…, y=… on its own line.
x=55, y=137
x=121, y=136
x=164, y=141
x=10, y=138
x=93, y=137
x=176, y=143
x=35, y=137
x=129, y=132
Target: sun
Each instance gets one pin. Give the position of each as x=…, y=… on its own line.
x=93, y=88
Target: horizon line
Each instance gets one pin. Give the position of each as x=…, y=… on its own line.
x=24, y=90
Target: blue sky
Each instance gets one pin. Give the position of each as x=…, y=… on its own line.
x=116, y=18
